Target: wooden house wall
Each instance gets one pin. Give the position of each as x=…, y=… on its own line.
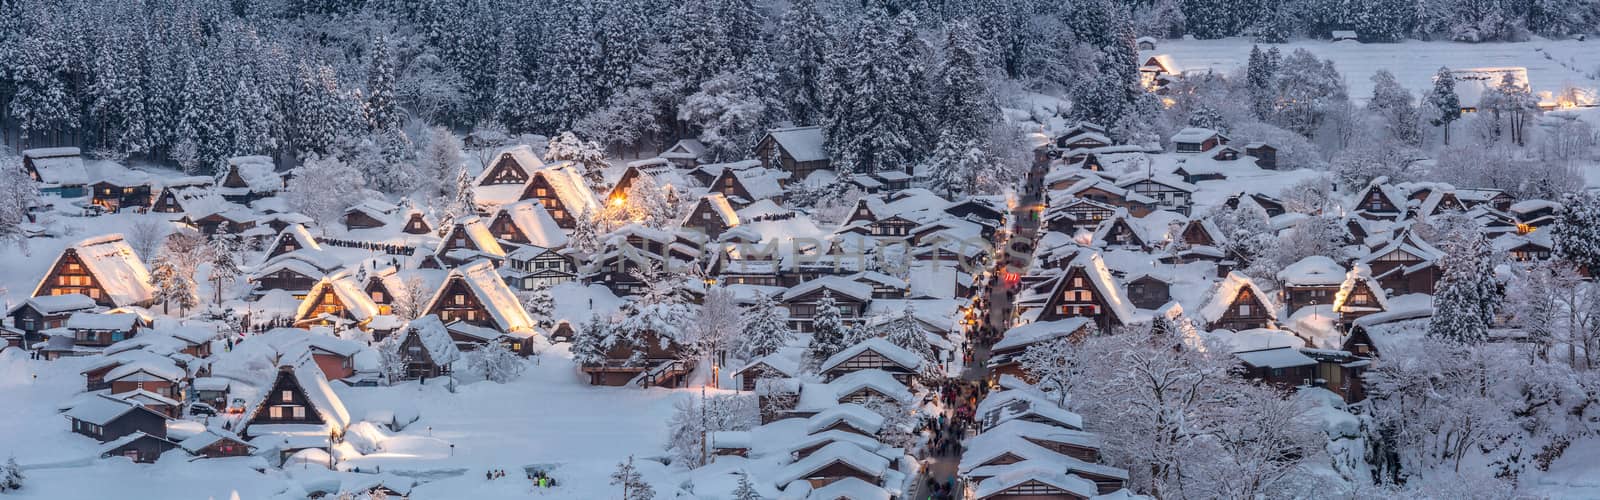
x=297, y=398
x=539, y=189
x=70, y=276
x=1233, y=319
x=458, y=303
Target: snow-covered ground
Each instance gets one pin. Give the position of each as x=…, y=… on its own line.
x=546, y=417
x=1552, y=64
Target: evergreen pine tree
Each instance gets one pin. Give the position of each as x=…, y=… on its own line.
x=1576, y=232
x=906, y=332
x=766, y=330
x=11, y=475
x=827, y=331
x=591, y=340
x=802, y=54
x=541, y=306
x=381, y=107
x=1260, y=75
x=1444, y=106
x=1468, y=296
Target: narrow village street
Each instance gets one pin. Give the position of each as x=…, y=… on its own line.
x=960, y=397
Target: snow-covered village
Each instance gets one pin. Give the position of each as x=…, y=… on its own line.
x=799, y=249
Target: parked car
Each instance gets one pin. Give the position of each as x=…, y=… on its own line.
x=198, y=409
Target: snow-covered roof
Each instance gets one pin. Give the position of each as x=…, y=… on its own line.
x=850, y=488
x=356, y=302
x=258, y=173
x=761, y=183
x=102, y=321
x=1276, y=357
x=896, y=354
x=147, y=371
x=1473, y=83
x=119, y=271
x=100, y=410
x=981, y=451
x=433, y=336
x=1360, y=273
x=1007, y=405
x=839, y=286
x=835, y=452
x=802, y=143
x=209, y=437
x=58, y=166
x=1194, y=135
x=536, y=224
x=1040, y=331
x=1094, y=266
x=720, y=206
x=1227, y=290
x=1035, y=471
x=521, y=153
x=877, y=380
x=477, y=231
x=52, y=304
x=570, y=187
x=685, y=149
x=492, y=292
x=1315, y=270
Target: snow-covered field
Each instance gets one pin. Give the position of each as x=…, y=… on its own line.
x=548, y=416
x=1552, y=65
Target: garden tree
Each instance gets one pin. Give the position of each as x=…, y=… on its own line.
x=1468, y=295
x=1357, y=166
x=900, y=421
x=381, y=110
x=801, y=53
x=766, y=330
x=1260, y=74
x=541, y=306
x=903, y=330
x=321, y=189
x=586, y=234
x=1511, y=105
x=746, y=490
x=1054, y=366
x=1443, y=106
x=1566, y=138
x=714, y=327
x=592, y=339
x=1322, y=235
x=661, y=309
x=647, y=202
x=876, y=83
x=589, y=157
x=18, y=194
x=695, y=418
x=496, y=362
x=224, y=253
x=146, y=235
x=1246, y=229
x=827, y=331
x=859, y=333
x=634, y=487
x=440, y=160
x=1575, y=236
x=411, y=300
x=1392, y=103
x=172, y=285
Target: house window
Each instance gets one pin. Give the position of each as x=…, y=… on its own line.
x=460, y=299
x=541, y=192
x=299, y=412
x=287, y=396
x=377, y=296
x=1244, y=309
x=275, y=412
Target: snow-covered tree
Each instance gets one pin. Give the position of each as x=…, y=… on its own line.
x=224, y=253
x=1392, y=103
x=827, y=331
x=441, y=158
x=876, y=97
x=716, y=324
x=591, y=340
x=1443, y=106
x=766, y=328
x=1054, y=366
x=382, y=112
x=171, y=286
x=1310, y=196
x=1305, y=95
x=745, y=490
x=10, y=475
x=1511, y=106
x=541, y=306
x=732, y=111
x=322, y=189
x=694, y=418
x=647, y=202
x=1468, y=295
x=463, y=202
x=802, y=52
x=634, y=487
x=1260, y=74
x=588, y=156
x=904, y=331
x=496, y=362
x=1576, y=232
x=18, y=194
x=411, y=300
